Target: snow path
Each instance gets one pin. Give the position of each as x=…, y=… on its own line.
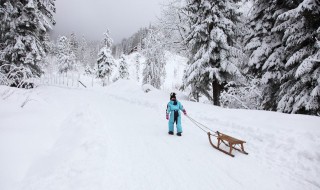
x=116, y=138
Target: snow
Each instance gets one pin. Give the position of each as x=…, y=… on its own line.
x=174, y=67
x=116, y=138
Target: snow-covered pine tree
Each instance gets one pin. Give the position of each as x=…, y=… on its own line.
x=74, y=44
x=123, y=68
x=154, y=71
x=131, y=44
x=173, y=26
x=137, y=58
x=82, y=51
x=105, y=61
x=212, y=43
x=93, y=48
x=23, y=28
x=265, y=49
x=66, y=57
x=300, y=89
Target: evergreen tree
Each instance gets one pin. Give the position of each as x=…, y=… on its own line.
x=105, y=62
x=154, y=72
x=23, y=29
x=173, y=26
x=133, y=43
x=123, y=68
x=82, y=51
x=299, y=90
x=212, y=43
x=74, y=44
x=265, y=49
x=137, y=58
x=66, y=57
x=92, y=53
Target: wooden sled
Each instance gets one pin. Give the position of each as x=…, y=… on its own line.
x=229, y=141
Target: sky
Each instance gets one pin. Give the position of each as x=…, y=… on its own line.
x=91, y=18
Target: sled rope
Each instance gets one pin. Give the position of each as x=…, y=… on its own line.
x=198, y=124
x=201, y=126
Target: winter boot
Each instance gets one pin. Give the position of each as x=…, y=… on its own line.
x=170, y=132
x=179, y=134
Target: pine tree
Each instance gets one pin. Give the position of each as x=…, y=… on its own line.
x=173, y=26
x=154, y=72
x=137, y=58
x=265, y=49
x=212, y=44
x=123, y=68
x=23, y=29
x=92, y=53
x=66, y=57
x=299, y=91
x=135, y=42
x=74, y=44
x=105, y=62
x=82, y=51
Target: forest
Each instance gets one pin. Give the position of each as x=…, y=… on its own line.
x=266, y=57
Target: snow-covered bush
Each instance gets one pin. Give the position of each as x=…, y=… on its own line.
x=147, y=88
x=246, y=96
x=15, y=76
x=88, y=70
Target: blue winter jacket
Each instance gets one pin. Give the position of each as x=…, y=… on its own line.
x=171, y=107
x=174, y=109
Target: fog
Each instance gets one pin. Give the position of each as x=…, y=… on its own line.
x=91, y=18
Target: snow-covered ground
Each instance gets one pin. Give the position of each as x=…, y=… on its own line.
x=116, y=138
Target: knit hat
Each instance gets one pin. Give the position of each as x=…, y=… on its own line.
x=172, y=95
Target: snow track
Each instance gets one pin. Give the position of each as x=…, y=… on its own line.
x=80, y=150
x=116, y=138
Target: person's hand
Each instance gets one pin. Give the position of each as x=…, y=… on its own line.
x=184, y=112
x=167, y=116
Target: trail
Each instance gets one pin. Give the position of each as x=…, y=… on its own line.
x=116, y=138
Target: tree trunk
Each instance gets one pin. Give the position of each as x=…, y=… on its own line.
x=198, y=97
x=216, y=91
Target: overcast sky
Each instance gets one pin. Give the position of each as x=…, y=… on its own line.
x=91, y=18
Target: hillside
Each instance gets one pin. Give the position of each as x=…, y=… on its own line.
x=116, y=138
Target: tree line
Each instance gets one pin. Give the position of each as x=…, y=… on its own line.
x=269, y=57
x=266, y=59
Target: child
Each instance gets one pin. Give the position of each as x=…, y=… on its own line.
x=173, y=108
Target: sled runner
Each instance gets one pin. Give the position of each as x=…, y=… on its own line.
x=229, y=141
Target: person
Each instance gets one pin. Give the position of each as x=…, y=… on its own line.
x=173, y=114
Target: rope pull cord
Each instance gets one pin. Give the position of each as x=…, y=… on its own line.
x=203, y=127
